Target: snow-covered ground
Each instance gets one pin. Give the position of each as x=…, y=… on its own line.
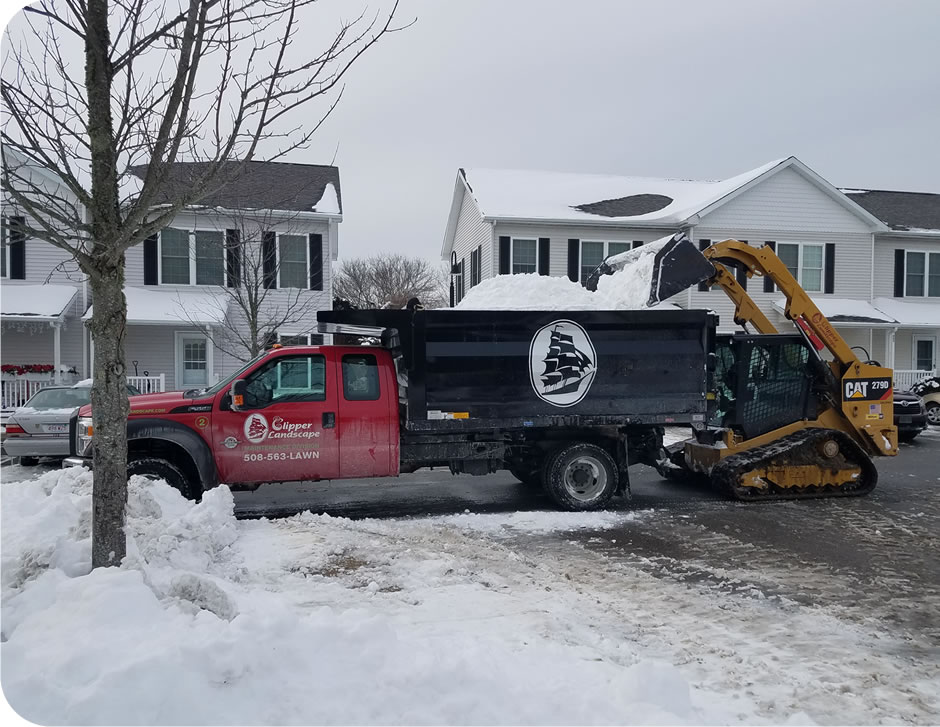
x=464, y=619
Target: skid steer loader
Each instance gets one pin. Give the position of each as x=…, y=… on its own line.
x=784, y=421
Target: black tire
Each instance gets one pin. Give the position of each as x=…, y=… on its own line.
x=529, y=476
x=581, y=477
x=161, y=469
x=907, y=436
x=933, y=413
x=29, y=461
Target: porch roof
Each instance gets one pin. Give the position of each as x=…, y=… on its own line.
x=879, y=313
x=172, y=307
x=36, y=303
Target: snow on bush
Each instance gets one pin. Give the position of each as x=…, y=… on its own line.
x=209, y=620
x=926, y=386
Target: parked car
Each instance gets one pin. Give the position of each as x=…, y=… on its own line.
x=929, y=391
x=40, y=428
x=910, y=415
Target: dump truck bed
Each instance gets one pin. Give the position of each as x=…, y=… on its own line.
x=471, y=370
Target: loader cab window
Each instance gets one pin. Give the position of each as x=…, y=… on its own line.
x=287, y=379
x=360, y=377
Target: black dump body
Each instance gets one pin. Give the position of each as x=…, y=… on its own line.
x=512, y=369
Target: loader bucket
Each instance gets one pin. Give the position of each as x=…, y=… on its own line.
x=675, y=266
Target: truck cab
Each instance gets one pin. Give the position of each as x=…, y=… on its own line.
x=302, y=413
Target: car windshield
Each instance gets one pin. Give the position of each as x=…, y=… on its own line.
x=59, y=398
x=216, y=388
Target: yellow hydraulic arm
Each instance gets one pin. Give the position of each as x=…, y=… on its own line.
x=866, y=391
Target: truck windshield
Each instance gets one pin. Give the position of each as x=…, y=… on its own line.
x=216, y=388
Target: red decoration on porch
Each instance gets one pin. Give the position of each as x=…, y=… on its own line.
x=20, y=369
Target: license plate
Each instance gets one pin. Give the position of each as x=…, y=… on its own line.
x=905, y=420
x=55, y=428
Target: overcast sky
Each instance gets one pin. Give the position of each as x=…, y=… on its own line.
x=700, y=90
x=690, y=89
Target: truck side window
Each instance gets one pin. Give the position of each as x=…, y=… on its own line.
x=360, y=377
x=287, y=379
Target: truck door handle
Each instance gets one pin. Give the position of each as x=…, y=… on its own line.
x=329, y=419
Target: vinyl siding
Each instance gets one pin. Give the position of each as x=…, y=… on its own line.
x=884, y=262
x=472, y=231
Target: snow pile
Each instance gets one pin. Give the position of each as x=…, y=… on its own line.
x=626, y=289
x=308, y=620
x=329, y=201
x=42, y=302
x=927, y=386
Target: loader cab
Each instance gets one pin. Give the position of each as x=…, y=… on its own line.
x=762, y=382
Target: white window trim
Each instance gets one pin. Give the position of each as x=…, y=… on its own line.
x=6, y=248
x=192, y=257
x=926, y=275
x=799, y=263
x=512, y=251
x=922, y=337
x=277, y=258
x=210, y=363
x=284, y=334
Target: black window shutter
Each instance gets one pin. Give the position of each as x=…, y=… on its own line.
x=269, y=258
x=768, y=281
x=830, y=268
x=17, y=248
x=637, y=243
x=899, y=273
x=479, y=264
x=544, y=244
x=463, y=281
x=233, y=258
x=741, y=274
x=504, y=268
x=703, y=245
x=150, y=261
x=574, y=260
x=316, y=262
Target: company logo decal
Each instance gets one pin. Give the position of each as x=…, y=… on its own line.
x=877, y=389
x=562, y=363
x=256, y=428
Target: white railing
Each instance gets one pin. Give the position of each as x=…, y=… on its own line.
x=18, y=390
x=148, y=384
x=904, y=379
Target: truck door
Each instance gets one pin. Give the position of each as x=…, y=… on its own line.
x=286, y=429
x=366, y=426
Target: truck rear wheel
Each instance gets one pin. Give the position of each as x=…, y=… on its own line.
x=581, y=477
x=154, y=468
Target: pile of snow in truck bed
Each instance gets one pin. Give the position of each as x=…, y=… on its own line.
x=625, y=289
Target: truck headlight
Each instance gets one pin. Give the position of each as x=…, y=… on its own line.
x=84, y=433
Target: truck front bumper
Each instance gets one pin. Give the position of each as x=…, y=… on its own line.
x=77, y=462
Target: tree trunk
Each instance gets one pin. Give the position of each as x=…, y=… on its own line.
x=109, y=408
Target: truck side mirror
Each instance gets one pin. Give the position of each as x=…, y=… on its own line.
x=237, y=392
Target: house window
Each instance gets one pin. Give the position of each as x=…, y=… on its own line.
x=922, y=274
x=524, y=256
x=925, y=353
x=4, y=248
x=475, y=266
x=302, y=339
x=594, y=253
x=292, y=263
x=192, y=257
x=805, y=263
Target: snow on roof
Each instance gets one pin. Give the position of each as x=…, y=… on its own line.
x=172, y=306
x=329, y=202
x=506, y=193
x=881, y=312
x=36, y=302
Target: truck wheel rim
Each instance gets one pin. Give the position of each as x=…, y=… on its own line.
x=933, y=414
x=585, y=478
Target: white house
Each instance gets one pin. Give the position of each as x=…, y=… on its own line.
x=283, y=215
x=871, y=260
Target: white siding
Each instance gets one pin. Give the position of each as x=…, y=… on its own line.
x=786, y=201
x=884, y=262
x=471, y=231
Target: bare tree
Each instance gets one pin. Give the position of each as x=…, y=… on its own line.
x=91, y=88
x=251, y=306
x=390, y=280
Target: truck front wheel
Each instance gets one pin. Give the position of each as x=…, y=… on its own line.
x=581, y=477
x=154, y=468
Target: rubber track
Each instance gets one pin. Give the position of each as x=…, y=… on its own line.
x=796, y=449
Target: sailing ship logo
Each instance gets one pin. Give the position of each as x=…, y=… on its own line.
x=562, y=363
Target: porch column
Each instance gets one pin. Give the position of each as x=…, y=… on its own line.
x=890, y=334
x=57, y=351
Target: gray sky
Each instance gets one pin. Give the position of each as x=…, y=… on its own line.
x=669, y=89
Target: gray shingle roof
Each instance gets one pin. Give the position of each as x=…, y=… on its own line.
x=901, y=210
x=259, y=185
